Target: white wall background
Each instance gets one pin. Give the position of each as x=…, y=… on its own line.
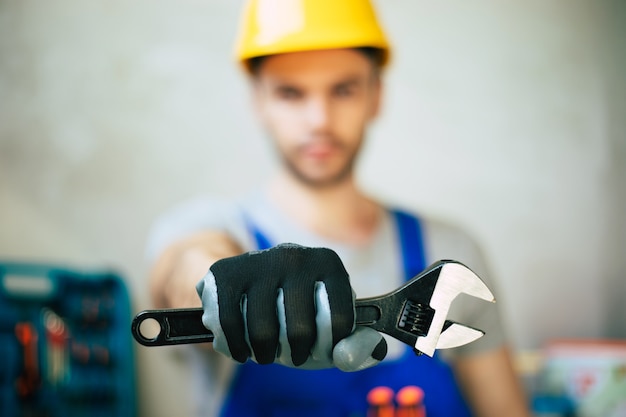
x=506, y=117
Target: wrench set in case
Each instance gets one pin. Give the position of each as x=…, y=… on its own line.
x=64, y=343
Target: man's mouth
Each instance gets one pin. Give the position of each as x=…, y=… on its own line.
x=319, y=149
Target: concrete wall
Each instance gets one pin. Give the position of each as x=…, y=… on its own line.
x=507, y=118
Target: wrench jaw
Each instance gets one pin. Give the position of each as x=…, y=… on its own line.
x=456, y=334
x=454, y=278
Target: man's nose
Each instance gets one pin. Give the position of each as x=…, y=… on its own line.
x=318, y=113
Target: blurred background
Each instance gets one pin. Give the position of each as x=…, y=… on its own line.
x=507, y=118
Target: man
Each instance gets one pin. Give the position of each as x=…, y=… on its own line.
x=315, y=67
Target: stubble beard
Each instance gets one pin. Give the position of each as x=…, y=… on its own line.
x=344, y=173
x=320, y=183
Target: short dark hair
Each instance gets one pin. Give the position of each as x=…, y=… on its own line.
x=254, y=64
x=375, y=55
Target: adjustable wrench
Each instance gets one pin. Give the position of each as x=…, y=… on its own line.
x=415, y=313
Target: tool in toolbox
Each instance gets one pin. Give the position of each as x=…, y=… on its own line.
x=28, y=382
x=57, y=340
x=415, y=313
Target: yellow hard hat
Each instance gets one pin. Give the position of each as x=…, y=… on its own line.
x=273, y=27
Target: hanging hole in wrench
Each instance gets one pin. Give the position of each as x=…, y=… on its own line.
x=150, y=328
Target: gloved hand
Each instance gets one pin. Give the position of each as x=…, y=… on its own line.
x=291, y=305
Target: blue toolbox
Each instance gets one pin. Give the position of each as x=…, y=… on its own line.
x=65, y=347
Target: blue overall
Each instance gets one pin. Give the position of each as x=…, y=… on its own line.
x=276, y=390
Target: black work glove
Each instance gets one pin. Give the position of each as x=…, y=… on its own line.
x=291, y=305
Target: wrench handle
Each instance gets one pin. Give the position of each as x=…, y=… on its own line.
x=179, y=326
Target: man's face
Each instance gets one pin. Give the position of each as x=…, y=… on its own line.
x=316, y=106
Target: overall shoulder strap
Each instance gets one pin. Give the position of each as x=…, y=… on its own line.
x=411, y=242
x=260, y=239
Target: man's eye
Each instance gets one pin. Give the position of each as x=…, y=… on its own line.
x=289, y=93
x=344, y=91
